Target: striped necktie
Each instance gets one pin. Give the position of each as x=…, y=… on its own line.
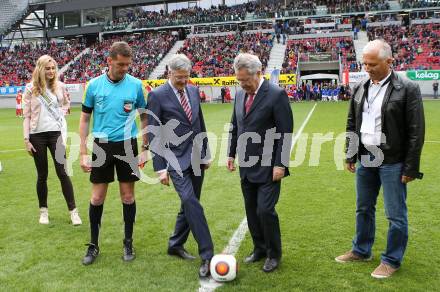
x=249, y=102
x=185, y=104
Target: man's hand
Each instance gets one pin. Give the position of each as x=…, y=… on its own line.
x=278, y=173
x=231, y=164
x=85, y=163
x=406, y=179
x=351, y=167
x=29, y=148
x=164, y=178
x=143, y=158
x=207, y=165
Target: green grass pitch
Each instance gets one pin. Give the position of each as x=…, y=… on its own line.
x=316, y=209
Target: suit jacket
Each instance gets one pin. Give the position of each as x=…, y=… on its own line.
x=270, y=110
x=403, y=123
x=164, y=106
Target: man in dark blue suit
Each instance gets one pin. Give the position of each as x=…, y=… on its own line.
x=262, y=114
x=180, y=148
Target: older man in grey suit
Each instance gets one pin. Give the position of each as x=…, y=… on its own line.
x=180, y=149
x=262, y=114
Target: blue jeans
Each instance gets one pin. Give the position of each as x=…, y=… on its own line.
x=368, y=182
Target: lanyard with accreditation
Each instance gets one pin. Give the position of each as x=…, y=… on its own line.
x=368, y=118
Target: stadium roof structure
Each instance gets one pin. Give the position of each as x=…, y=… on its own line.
x=12, y=10
x=29, y=19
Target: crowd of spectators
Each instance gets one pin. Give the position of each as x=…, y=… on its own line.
x=17, y=64
x=277, y=9
x=405, y=4
x=232, y=27
x=319, y=49
x=353, y=66
x=148, y=50
x=346, y=6
x=214, y=55
x=416, y=47
x=140, y=18
x=145, y=19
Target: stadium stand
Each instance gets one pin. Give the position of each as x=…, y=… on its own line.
x=307, y=49
x=139, y=18
x=341, y=6
x=405, y=4
x=232, y=27
x=148, y=49
x=16, y=65
x=214, y=55
x=145, y=19
x=416, y=47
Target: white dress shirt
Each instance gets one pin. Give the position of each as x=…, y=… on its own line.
x=373, y=106
x=259, y=86
x=176, y=92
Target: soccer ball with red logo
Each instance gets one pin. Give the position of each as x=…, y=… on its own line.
x=224, y=267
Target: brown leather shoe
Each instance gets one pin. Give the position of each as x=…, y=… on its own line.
x=350, y=256
x=383, y=271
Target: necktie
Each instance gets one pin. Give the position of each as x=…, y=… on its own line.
x=185, y=104
x=249, y=102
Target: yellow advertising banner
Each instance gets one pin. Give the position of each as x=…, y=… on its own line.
x=285, y=79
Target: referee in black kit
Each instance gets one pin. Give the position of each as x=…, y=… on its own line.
x=112, y=98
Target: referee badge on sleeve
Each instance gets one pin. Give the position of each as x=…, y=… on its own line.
x=128, y=106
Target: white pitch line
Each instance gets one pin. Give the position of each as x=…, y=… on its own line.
x=209, y=285
x=12, y=150
x=22, y=149
x=301, y=129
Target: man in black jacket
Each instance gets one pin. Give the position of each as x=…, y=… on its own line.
x=262, y=114
x=386, y=113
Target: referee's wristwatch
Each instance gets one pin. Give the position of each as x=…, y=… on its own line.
x=145, y=146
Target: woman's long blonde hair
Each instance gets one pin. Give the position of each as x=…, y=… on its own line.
x=39, y=82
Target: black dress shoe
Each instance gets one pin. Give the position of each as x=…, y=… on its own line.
x=181, y=253
x=129, y=254
x=204, y=269
x=270, y=265
x=92, y=253
x=254, y=257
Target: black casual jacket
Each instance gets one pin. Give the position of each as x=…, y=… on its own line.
x=403, y=123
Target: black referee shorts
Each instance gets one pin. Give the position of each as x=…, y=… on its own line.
x=104, y=161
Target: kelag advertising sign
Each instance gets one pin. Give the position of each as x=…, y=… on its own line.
x=423, y=75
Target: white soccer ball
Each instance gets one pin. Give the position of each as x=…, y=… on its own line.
x=224, y=267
